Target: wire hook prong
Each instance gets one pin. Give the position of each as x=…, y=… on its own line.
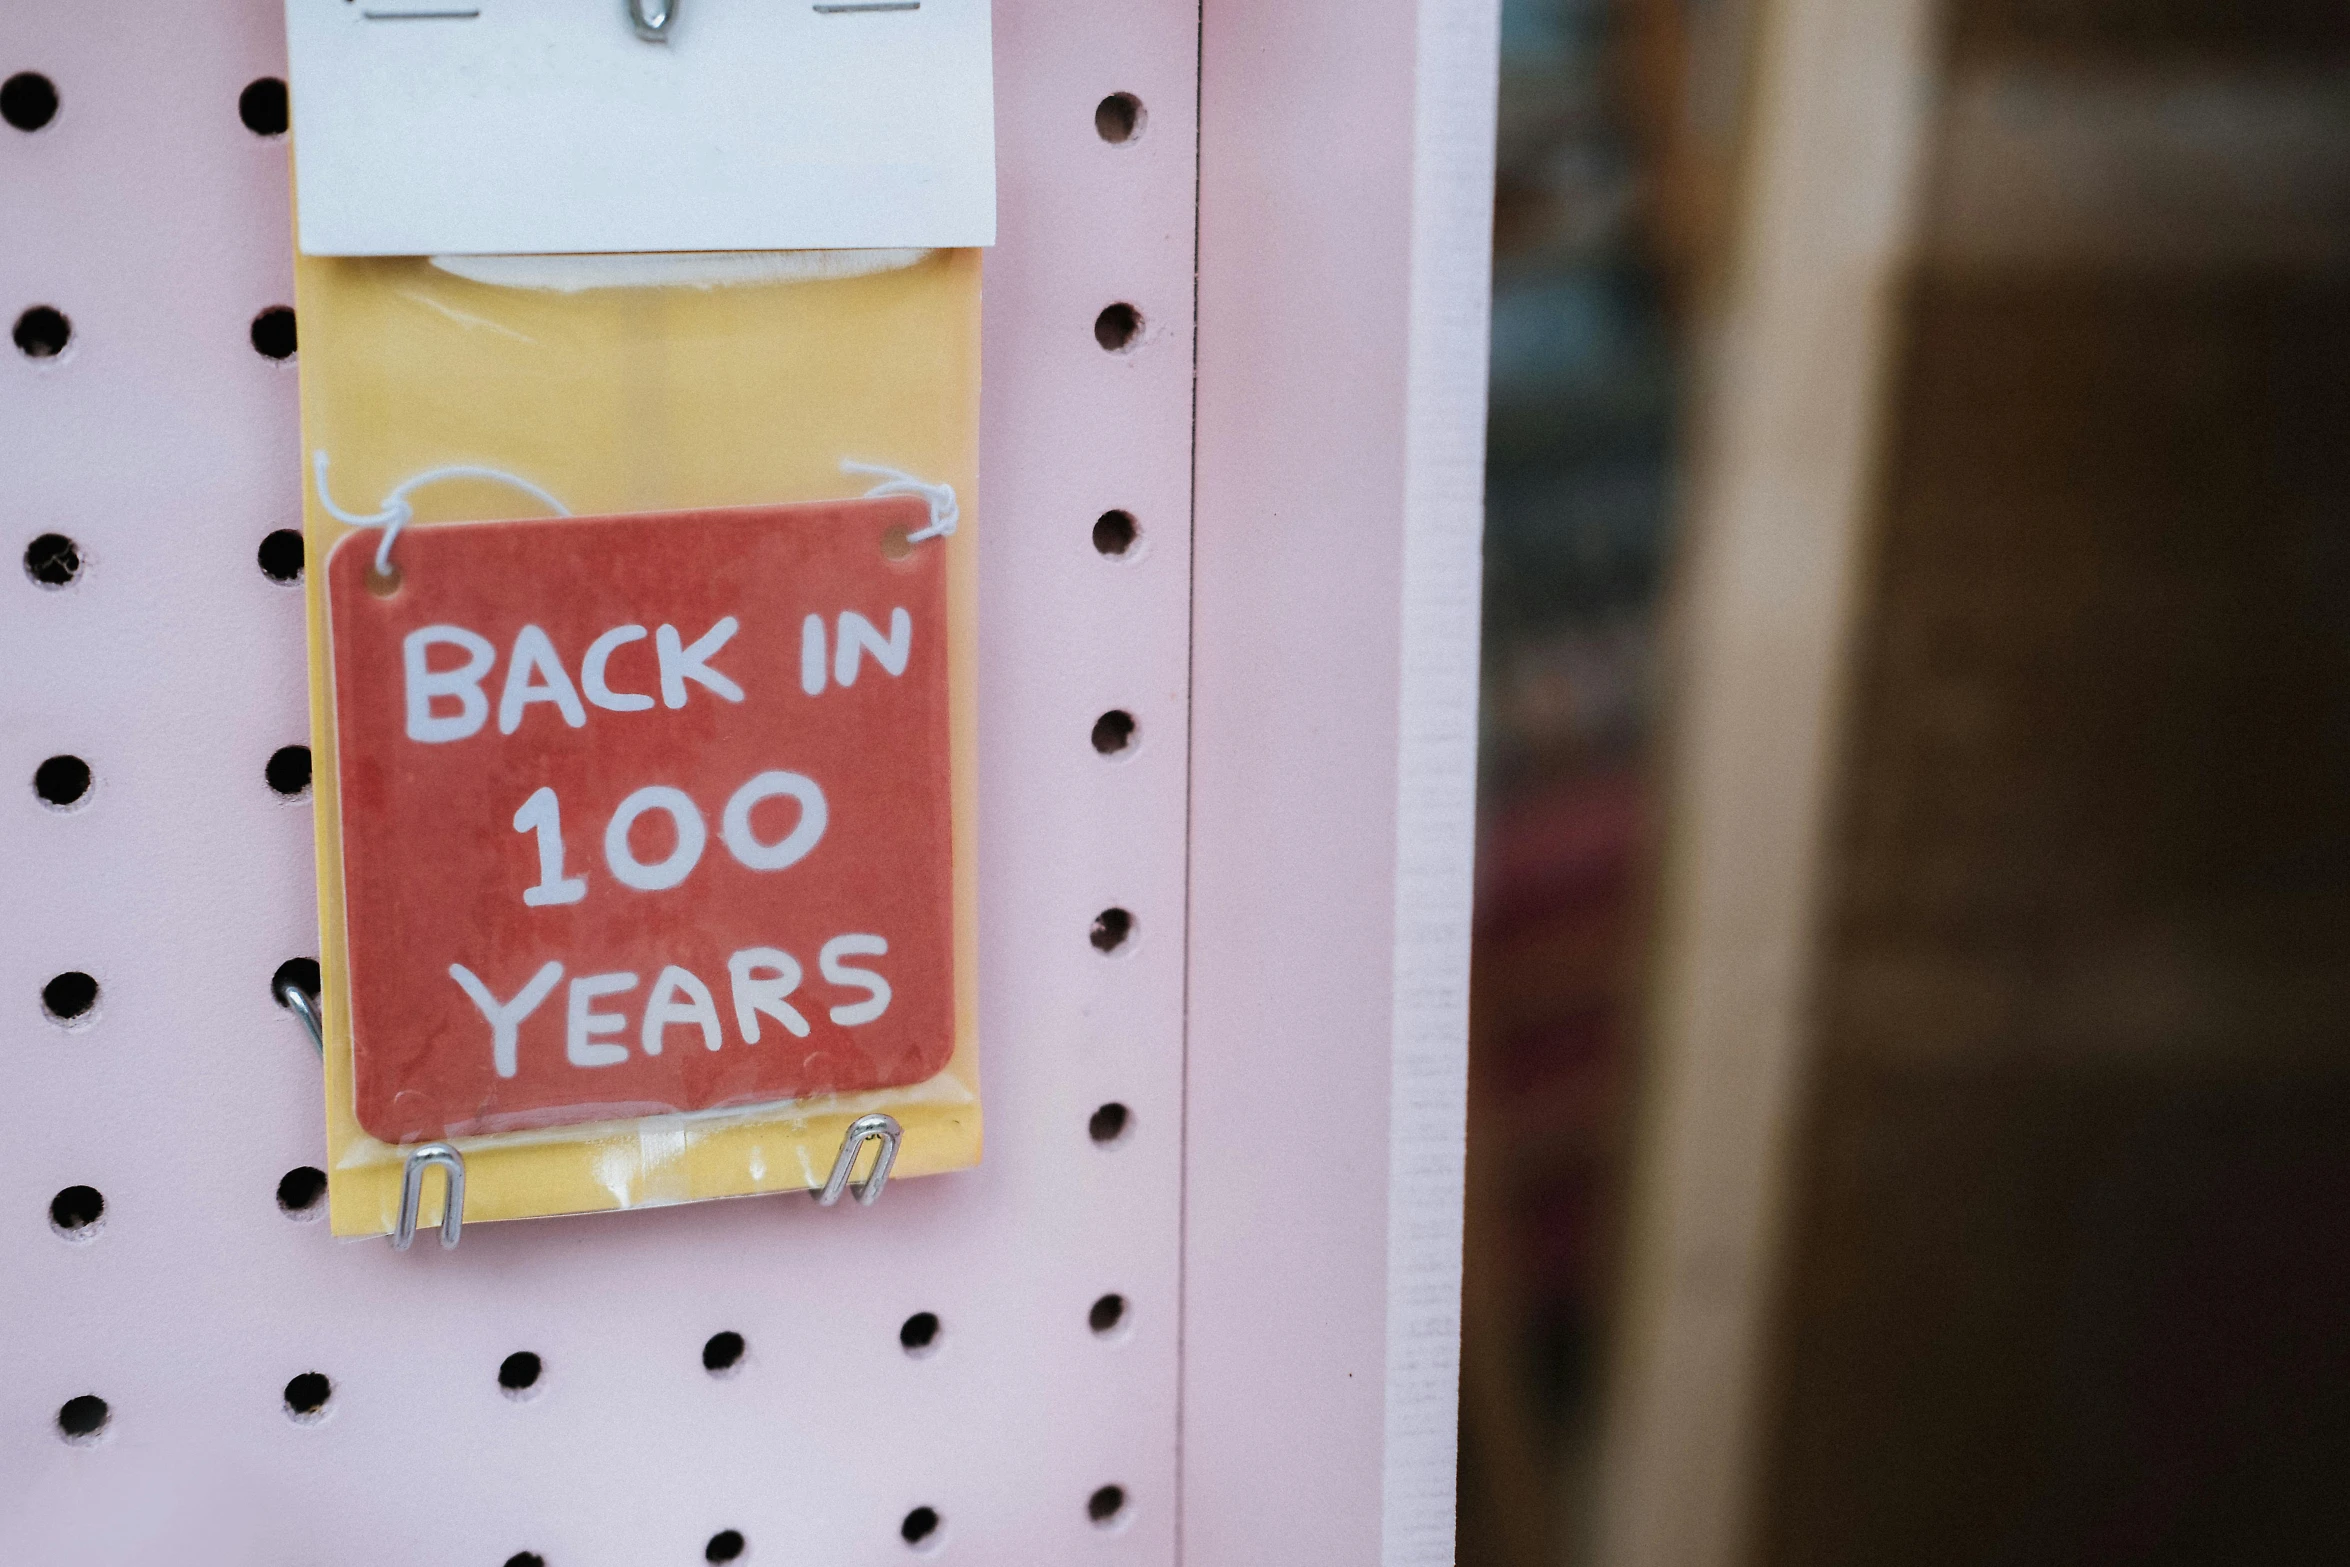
x=864, y=1129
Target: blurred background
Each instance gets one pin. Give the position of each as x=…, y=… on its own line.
x=1910, y=1101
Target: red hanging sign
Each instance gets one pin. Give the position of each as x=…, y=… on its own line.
x=643, y=813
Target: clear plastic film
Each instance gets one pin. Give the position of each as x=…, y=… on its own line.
x=700, y=394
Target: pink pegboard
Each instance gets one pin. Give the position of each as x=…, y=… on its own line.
x=1284, y=1027
x=164, y=445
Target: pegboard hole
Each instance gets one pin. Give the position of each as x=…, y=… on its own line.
x=288, y=773
x=299, y=1191
x=918, y=1334
x=1107, y=1506
x=281, y=556
x=519, y=1374
x=301, y=973
x=28, y=100
x=62, y=782
x=77, y=1212
x=42, y=332
x=526, y=1559
x=306, y=1397
x=1112, y=929
x=1110, y=1124
x=83, y=1419
x=70, y=998
x=920, y=1529
x=1113, y=732
x=723, y=1353
x=1107, y=1316
x=725, y=1546
x=1118, y=118
x=1114, y=533
x=273, y=333
x=262, y=106
x=52, y=560
x=1117, y=327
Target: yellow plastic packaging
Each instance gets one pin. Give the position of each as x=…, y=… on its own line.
x=641, y=384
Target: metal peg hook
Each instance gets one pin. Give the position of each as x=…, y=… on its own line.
x=653, y=19
x=420, y=1159
x=304, y=1006
x=864, y=1129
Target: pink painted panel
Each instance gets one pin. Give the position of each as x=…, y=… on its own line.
x=1346, y=178
x=166, y=446
x=1305, y=224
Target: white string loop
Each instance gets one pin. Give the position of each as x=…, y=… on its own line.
x=397, y=513
x=944, y=513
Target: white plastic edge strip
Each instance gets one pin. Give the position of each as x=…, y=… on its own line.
x=1436, y=769
x=681, y=269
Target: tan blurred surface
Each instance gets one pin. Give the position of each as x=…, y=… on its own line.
x=1972, y=1187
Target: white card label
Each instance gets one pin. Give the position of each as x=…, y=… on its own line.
x=489, y=127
